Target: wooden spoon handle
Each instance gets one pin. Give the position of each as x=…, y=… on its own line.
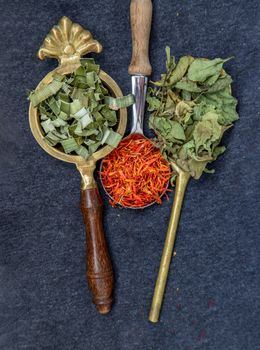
x=141, y=19
x=99, y=266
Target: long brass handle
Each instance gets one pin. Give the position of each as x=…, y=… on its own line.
x=181, y=184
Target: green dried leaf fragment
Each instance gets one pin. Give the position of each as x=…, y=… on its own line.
x=90, y=65
x=220, y=84
x=90, y=132
x=170, y=129
x=93, y=147
x=113, y=138
x=75, y=106
x=43, y=117
x=78, y=129
x=44, y=110
x=59, y=122
x=180, y=70
x=188, y=85
x=211, y=80
x=82, y=151
x=76, y=93
x=60, y=135
x=170, y=60
x=119, y=102
x=109, y=115
x=84, y=117
x=54, y=105
x=80, y=71
x=66, y=88
x=53, y=138
x=44, y=92
x=98, y=116
x=91, y=79
x=207, y=132
x=153, y=102
x=63, y=115
x=224, y=103
x=65, y=107
x=47, y=126
x=69, y=145
x=202, y=69
x=98, y=96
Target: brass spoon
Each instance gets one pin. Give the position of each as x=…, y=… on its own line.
x=67, y=42
x=182, y=181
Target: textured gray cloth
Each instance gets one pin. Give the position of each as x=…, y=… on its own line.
x=212, y=295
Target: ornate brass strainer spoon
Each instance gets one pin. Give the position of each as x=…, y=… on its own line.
x=67, y=42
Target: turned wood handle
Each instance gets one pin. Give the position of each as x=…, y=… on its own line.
x=99, y=266
x=141, y=18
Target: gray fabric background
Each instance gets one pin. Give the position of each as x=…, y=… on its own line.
x=212, y=296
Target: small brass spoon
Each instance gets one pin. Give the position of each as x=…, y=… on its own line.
x=182, y=181
x=67, y=42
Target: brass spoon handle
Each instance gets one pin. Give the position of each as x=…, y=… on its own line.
x=181, y=184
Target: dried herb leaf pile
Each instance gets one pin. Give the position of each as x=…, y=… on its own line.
x=77, y=112
x=192, y=106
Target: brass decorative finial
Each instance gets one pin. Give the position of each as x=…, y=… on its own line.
x=68, y=41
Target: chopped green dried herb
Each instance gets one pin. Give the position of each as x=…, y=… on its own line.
x=76, y=111
x=120, y=102
x=192, y=106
